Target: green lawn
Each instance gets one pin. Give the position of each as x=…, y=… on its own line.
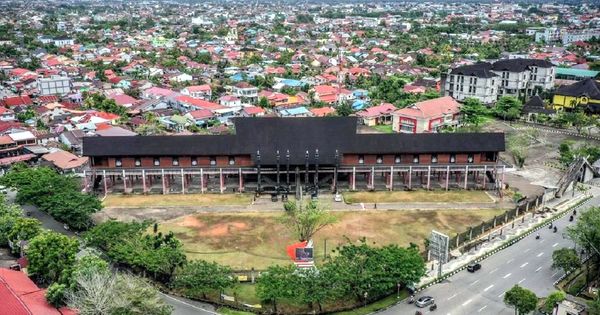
x=172, y=200
x=245, y=240
x=376, y=306
x=383, y=128
x=416, y=196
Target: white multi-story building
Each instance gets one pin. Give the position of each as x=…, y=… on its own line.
x=54, y=85
x=546, y=34
x=62, y=42
x=476, y=81
x=487, y=82
x=582, y=35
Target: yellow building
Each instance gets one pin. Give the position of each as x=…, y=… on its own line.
x=584, y=93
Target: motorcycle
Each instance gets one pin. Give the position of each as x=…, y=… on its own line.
x=537, y=237
x=433, y=307
x=555, y=229
x=571, y=219
x=411, y=299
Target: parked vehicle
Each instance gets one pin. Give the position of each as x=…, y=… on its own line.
x=425, y=301
x=472, y=267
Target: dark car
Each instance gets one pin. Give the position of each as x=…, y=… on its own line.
x=472, y=267
x=424, y=301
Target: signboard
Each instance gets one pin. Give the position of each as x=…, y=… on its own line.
x=438, y=246
x=304, y=254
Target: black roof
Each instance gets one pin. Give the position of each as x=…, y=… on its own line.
x=298, y=135
x=588, y=87
x=536, y=105
x=484, y=69
x=520, y=64
x=480, y=70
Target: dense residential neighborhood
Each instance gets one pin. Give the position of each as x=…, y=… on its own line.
x=315, y=157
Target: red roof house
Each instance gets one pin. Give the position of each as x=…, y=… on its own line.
x=427, y=116
x=20, y=296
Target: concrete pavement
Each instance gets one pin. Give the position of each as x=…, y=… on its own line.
x=527, y=263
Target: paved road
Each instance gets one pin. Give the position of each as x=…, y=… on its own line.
x=527, y=263
x=181, y=306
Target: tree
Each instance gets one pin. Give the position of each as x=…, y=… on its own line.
x=115, y=294
x=586, y=232
x=50, y=254
x=276, y=283
x=473, y=111
x=508, y=108
x=264, y=102
x=578, y=119
x=199, y=277
x=306, y=220
x=518, y=145
x=24, y=229
x=594, y=306
x=105, y=235
x=553, y=299
x=368, y=272
x=344, y=109
x=565, y=259
x=524, y=301
x=8, y=216
x=55, y=294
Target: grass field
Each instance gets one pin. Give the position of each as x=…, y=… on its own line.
x=250, y=239
x=470, y=196
x=383, y=128
x=176, y=200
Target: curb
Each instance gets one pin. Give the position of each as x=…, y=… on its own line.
x=508, y=243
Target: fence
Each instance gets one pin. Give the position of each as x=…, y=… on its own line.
x=474, y=232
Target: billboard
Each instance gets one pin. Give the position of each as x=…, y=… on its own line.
x=304, y=254
x=438, y=246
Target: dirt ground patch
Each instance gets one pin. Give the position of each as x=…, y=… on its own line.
x=461, y=196
x=138, y=201
x=250, y=239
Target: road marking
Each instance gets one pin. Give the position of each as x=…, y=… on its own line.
x=554, y=274
x=542, y=241
x=467, y=302
x=501, y=294
x=507, y=275
x=538, y=269
x=474, y=282
x=540, y=254
x=450, y=298
x=188, y=304
x=521, y=280
x=525, y=264
x=510, y=260
x=555, y=244
x=527, y=250
x=493, y=270
x=491, y=286
x=481, y=309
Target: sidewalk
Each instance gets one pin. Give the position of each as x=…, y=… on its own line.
x=501, y=236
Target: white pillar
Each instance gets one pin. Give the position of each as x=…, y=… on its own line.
x=124, y=183
x=447, y=176
x=201, y=180
x=391, y=178
x=354, y=178
x=105, y=183
x=428, y=176
x=163, y=180
x=182, y=182
x=241, y=188
x=466, y=175
x=410, y=177
x=144, y=181
x=221, y=180
x=484, y=175
x=372, y=178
